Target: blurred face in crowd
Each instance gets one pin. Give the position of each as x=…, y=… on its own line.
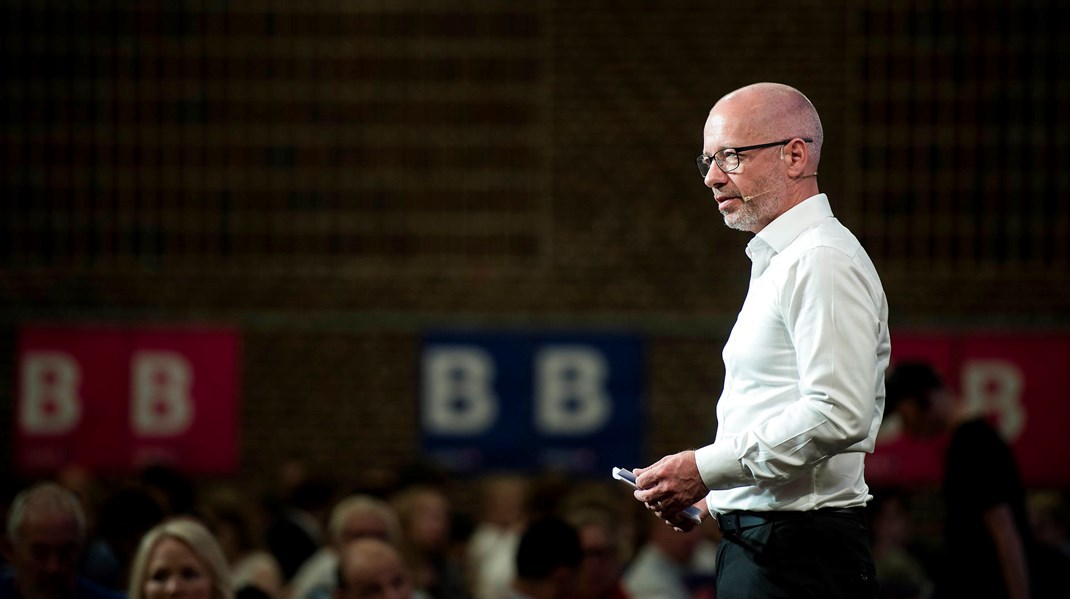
x=927, y=416
x=45, y=554
x=372, y=569
x=175, y=572
x=600, y=567
x=429, y=521
x=361, y=524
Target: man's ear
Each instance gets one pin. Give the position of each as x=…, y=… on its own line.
x=796, y=155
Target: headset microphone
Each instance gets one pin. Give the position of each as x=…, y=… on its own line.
x=762, y=193
x=751, y=197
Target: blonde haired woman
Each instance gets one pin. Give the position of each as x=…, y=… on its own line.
x=180, y=557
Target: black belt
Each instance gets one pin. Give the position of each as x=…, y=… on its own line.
x=734, y=522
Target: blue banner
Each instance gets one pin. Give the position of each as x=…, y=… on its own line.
x=532, y=401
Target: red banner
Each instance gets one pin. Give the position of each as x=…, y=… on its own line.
x=115, y=399
x=1020, y=382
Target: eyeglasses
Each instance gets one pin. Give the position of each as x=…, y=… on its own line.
x=727, y=159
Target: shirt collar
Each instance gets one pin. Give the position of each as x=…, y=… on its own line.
x=786, y=227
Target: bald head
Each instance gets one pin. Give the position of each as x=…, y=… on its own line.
x=359, y=516
x=370, y=568
x=41, y=500
x=754, y=119
x=46, y=532
x=775, y=111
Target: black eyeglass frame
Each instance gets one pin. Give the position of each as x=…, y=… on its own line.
x=704, y=162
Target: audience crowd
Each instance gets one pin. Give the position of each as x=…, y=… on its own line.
x=162, y=535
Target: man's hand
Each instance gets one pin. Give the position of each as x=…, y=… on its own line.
x=671, y=485
x=682, y=523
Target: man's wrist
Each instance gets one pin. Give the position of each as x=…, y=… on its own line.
x=719, y=467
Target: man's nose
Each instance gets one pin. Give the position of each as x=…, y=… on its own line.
x=715, y=177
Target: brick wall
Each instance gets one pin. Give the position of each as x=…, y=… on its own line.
x=336, y=178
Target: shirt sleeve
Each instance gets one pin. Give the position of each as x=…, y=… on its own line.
x=831, y=313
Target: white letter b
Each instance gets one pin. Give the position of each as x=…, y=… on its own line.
x=571, y=397
x=49, y=404
x=458, y=396
x=161, y=404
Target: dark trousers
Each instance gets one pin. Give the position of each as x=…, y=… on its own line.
x=822, y=554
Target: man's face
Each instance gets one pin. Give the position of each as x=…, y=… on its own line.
x=429, y=524
x=373, y=570
x=755, y=174
x=600, y=568
x=45, y=555
x=924, y=418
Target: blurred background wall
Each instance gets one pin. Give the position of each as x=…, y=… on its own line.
x=336, y=178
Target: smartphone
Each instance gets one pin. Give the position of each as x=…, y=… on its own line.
x=628, y=478
x=625, y=475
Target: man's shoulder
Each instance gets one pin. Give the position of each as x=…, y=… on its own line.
x=829, y=233
x=829, y=244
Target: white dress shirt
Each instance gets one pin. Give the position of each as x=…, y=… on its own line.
x=804, y=371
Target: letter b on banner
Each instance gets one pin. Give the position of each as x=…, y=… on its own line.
x=458, y=391
x=570, y=390
x=50, y=403
x=115, y=398
x=532, y=400
x=161, y=404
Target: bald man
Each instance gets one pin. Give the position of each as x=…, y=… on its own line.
x=354, y=517
x=46, y=533
x=371, y=568
x=804, y=368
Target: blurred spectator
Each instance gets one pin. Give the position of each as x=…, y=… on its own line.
x=986, y=531
x=426, y=541
x=123, y=518
x=296, y=529
x=292, y=472
x=355, y=517
x=661, y=567
x=601, y=569
x=370, y=568
x=491, y=553
x=236, y=525
x=180, y=558
x=702, y=569
x=46, y=533
x=547, y=560
x=462, y=528
x=1049, y=517
x=85, y=485
x=900, y=572
x=1050, y=553
x=547, y=494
